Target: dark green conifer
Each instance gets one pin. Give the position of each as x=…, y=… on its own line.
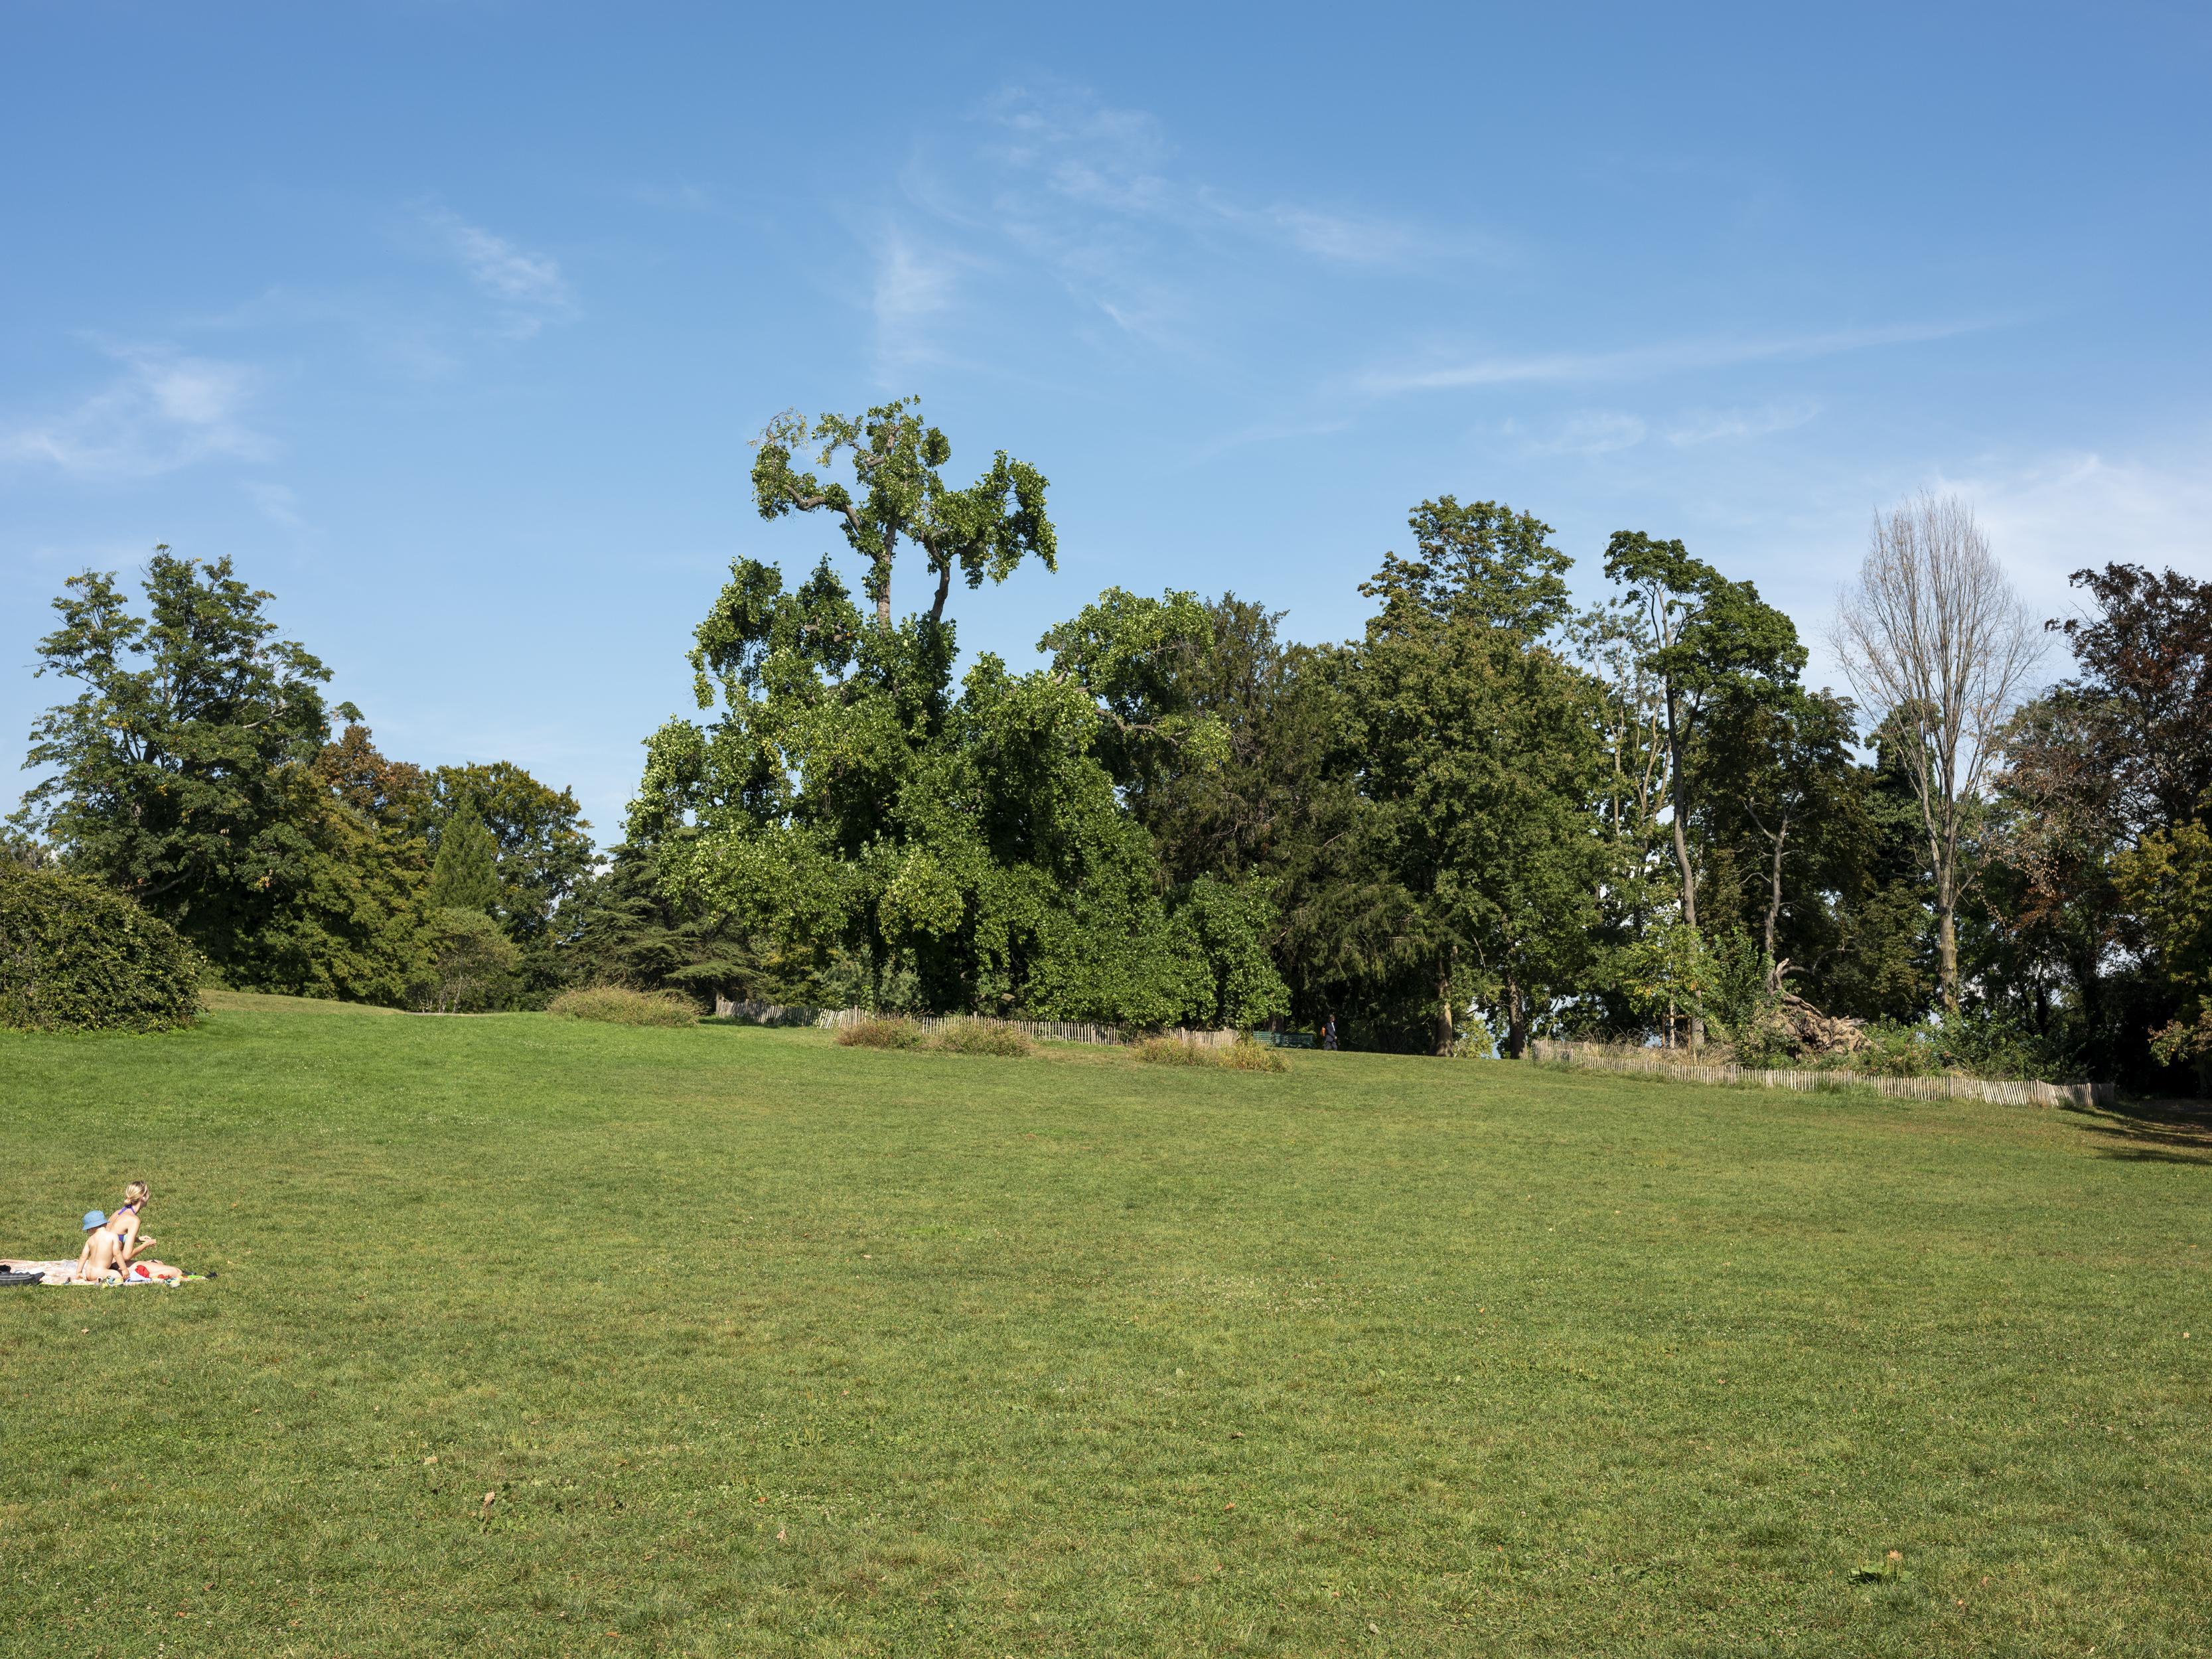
x=465, y=876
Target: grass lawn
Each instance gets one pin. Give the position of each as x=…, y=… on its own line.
x=537, y=1337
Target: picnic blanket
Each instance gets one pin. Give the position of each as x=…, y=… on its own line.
x=50, y=1272
x=64, y=1273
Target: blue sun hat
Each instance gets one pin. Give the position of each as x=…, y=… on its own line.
x=94, y=1219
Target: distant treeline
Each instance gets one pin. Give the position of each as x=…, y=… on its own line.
x=1488, y=817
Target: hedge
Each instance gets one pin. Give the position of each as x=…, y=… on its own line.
x=76, y=957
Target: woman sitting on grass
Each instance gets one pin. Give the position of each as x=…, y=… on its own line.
x=113, y=1243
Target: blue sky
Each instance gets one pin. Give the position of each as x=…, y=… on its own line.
x=450, y=322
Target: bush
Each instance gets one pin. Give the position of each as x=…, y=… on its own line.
x=77, y=957
x=980, y=1037
x=955, y=1036
x=1246, y=1055
x=471, y=966
x=880, y=1031
x=1241, y=1055
x=1978, y=1042
x=618, y=1005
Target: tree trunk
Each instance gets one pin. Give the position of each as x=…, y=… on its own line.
x=1678, y=796
x=1943, y=856
x=1444, y=1006
x=1516, y=1023
x=1947, y=946
x=883, y=580
x=2089, y=993
x=1774, y=891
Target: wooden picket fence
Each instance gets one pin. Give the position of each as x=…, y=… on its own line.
x=1653, y=1062
x=1048, y=1031
x=765, y=1013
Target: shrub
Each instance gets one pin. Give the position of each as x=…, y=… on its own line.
x=76, y=957
x=1241, y=1055
x=618, y=1005
x=1175, y=1051
x=471, y=966
x=1167, y=1051
x=1246, y=1055
x=1977, y=1042
x=980, y=1037
x=880, y=1031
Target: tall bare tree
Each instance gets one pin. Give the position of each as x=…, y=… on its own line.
x=1934, y=639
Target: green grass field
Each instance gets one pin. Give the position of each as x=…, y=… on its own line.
x=537, y=1337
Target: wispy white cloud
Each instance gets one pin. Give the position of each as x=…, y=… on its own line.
x=1708, y=426
x=1603, y=431
x=166, y=410
x=1098, y=198
x=1121, y=163
x=277, y=503
x=2049, y=517
x=1363, y=239
x=676, y=198
x=1084, y=150
x=1592, y=432
x=1652, y=361
x=913, y=288
x=527, y=287
x=1265, y=432
x=395, y=338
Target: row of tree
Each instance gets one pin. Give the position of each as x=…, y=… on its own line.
x=1634, y=822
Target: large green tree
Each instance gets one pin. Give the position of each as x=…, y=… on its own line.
x=1703, y=641
x=1228, y=745
x=625, y=926
x=2167, y=879
x=1478, y=854
x=354, y=926
x=2115, y=757
x=967, y=849
x=179, y=774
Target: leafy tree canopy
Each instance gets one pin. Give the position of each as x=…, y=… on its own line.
x=2168, y=878
x=898, y=492
x=2140, y=703
x=541, y=844
x=466, y=875
x=969, y=849
x=179, y=771
x=1708, y=635
x=1482, y=564
x=393, y=795
x=1479, y=766
x=1138, y=657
